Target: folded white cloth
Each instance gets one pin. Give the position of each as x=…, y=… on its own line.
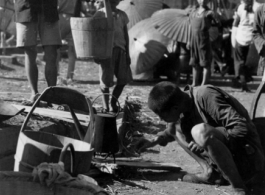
x=49, y=173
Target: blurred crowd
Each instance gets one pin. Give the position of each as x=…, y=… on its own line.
x=231, y=44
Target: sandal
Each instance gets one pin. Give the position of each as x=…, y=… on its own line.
x=31, y=101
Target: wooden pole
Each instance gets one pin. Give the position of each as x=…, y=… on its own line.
x=108, y=13
x=255, y=100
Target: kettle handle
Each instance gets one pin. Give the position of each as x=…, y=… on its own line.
x=119, y=105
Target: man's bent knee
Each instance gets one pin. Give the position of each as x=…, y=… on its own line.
x=201, y=133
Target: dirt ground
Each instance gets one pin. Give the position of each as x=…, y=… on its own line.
x=14, y=88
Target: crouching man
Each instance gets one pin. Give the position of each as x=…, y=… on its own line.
x=214, y=128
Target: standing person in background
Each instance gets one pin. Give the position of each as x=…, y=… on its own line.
x=68, y=9
x=200, y=46
x=8, y=25
x=259, y=38
x=119, y=64
x=241, y=39
x=33, y=19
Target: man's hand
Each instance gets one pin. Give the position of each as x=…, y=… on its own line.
x=195, y=148
x=145, y=143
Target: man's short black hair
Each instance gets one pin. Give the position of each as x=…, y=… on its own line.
x=164, y=96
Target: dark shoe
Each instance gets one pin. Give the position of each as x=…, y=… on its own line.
x=246, y=89
x=240, y=191
x=215, y=179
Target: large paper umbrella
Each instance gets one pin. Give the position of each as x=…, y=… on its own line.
x=138, y=10
x=147, y=46
x=173, y=23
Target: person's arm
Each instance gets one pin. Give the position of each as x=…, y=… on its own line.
x=183, y=137
x=234, y=29
x=162, y=138
x=171, y=133
x=168, y=135
x=258, y=37
x=189, y=37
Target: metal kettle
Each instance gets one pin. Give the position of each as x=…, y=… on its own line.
x=105, y=138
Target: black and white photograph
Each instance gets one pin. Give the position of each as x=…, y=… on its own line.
x=132, y=97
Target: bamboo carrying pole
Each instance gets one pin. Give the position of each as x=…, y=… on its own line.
x=109, y=14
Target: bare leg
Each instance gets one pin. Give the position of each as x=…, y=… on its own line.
x=105, y=98
x=31, y=69
x=71, y=62
x=116, y=93
x=213, y=141
x=207, y=171
x=195, y=76
x=206, y=75
x=50, y=68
